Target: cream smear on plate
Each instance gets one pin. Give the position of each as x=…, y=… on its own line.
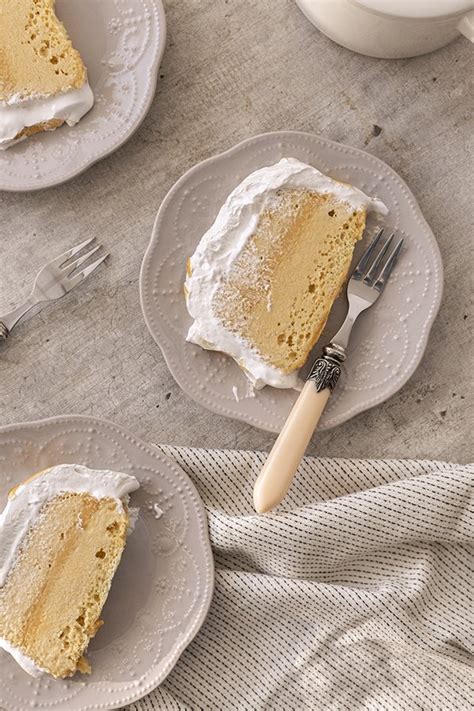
x=18, y=113
x=223, y=242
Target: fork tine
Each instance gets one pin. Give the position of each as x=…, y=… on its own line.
x=387, y=270
x=70, y=253
x=80, y=260
x=71, y=282
x=365, y=260
x=375, y=268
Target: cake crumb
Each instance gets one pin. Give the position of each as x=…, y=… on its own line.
x=83, y=666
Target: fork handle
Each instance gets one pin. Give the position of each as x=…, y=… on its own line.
x=4, y=331
x=280, y=467
x=9, y=320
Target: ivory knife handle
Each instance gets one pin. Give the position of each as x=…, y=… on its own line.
x=279, y=469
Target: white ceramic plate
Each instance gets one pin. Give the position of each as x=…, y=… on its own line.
x=388, y=341
x=121, y=42
x=162, y=589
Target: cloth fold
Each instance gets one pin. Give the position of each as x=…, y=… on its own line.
x=356, y=594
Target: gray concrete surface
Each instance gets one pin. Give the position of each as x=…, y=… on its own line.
x=231, y=70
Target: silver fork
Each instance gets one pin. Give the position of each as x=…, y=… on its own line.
x=53, y=281
x=367, y=282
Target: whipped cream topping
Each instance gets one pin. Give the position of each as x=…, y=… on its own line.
x=27, y=500
x=222, y=244
x=25, y=662
x=18, y=113
x=25, y=504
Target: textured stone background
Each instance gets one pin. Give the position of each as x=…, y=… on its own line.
x=231, y=70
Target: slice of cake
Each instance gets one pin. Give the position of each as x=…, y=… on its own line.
x=62, y=534
x=43, y=81
x=264, y=277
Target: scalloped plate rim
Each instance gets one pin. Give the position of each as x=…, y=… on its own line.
x=161, y=339
x=206, y=547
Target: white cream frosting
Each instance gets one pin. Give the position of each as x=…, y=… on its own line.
x=18, y=113
x=26, y=502
x=25, y=662
x=223, y=242
x=24, y=506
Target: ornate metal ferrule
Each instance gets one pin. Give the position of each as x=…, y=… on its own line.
x=327, y=369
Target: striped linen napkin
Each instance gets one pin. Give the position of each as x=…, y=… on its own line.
x=356, y=594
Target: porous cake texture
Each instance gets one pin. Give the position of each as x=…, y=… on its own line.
x=281, y=288
x=36, y=55
x=59, y=579
x=43, y=81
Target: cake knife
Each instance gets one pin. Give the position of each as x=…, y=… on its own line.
x=367, y=282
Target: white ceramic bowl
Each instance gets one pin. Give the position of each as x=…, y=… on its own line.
x=391, y=29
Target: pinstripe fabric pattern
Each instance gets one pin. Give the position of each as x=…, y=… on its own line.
x=357, y=594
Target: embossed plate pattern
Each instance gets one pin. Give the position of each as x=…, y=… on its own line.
x=121, y=42
x=388, y=341
x=162, y=589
